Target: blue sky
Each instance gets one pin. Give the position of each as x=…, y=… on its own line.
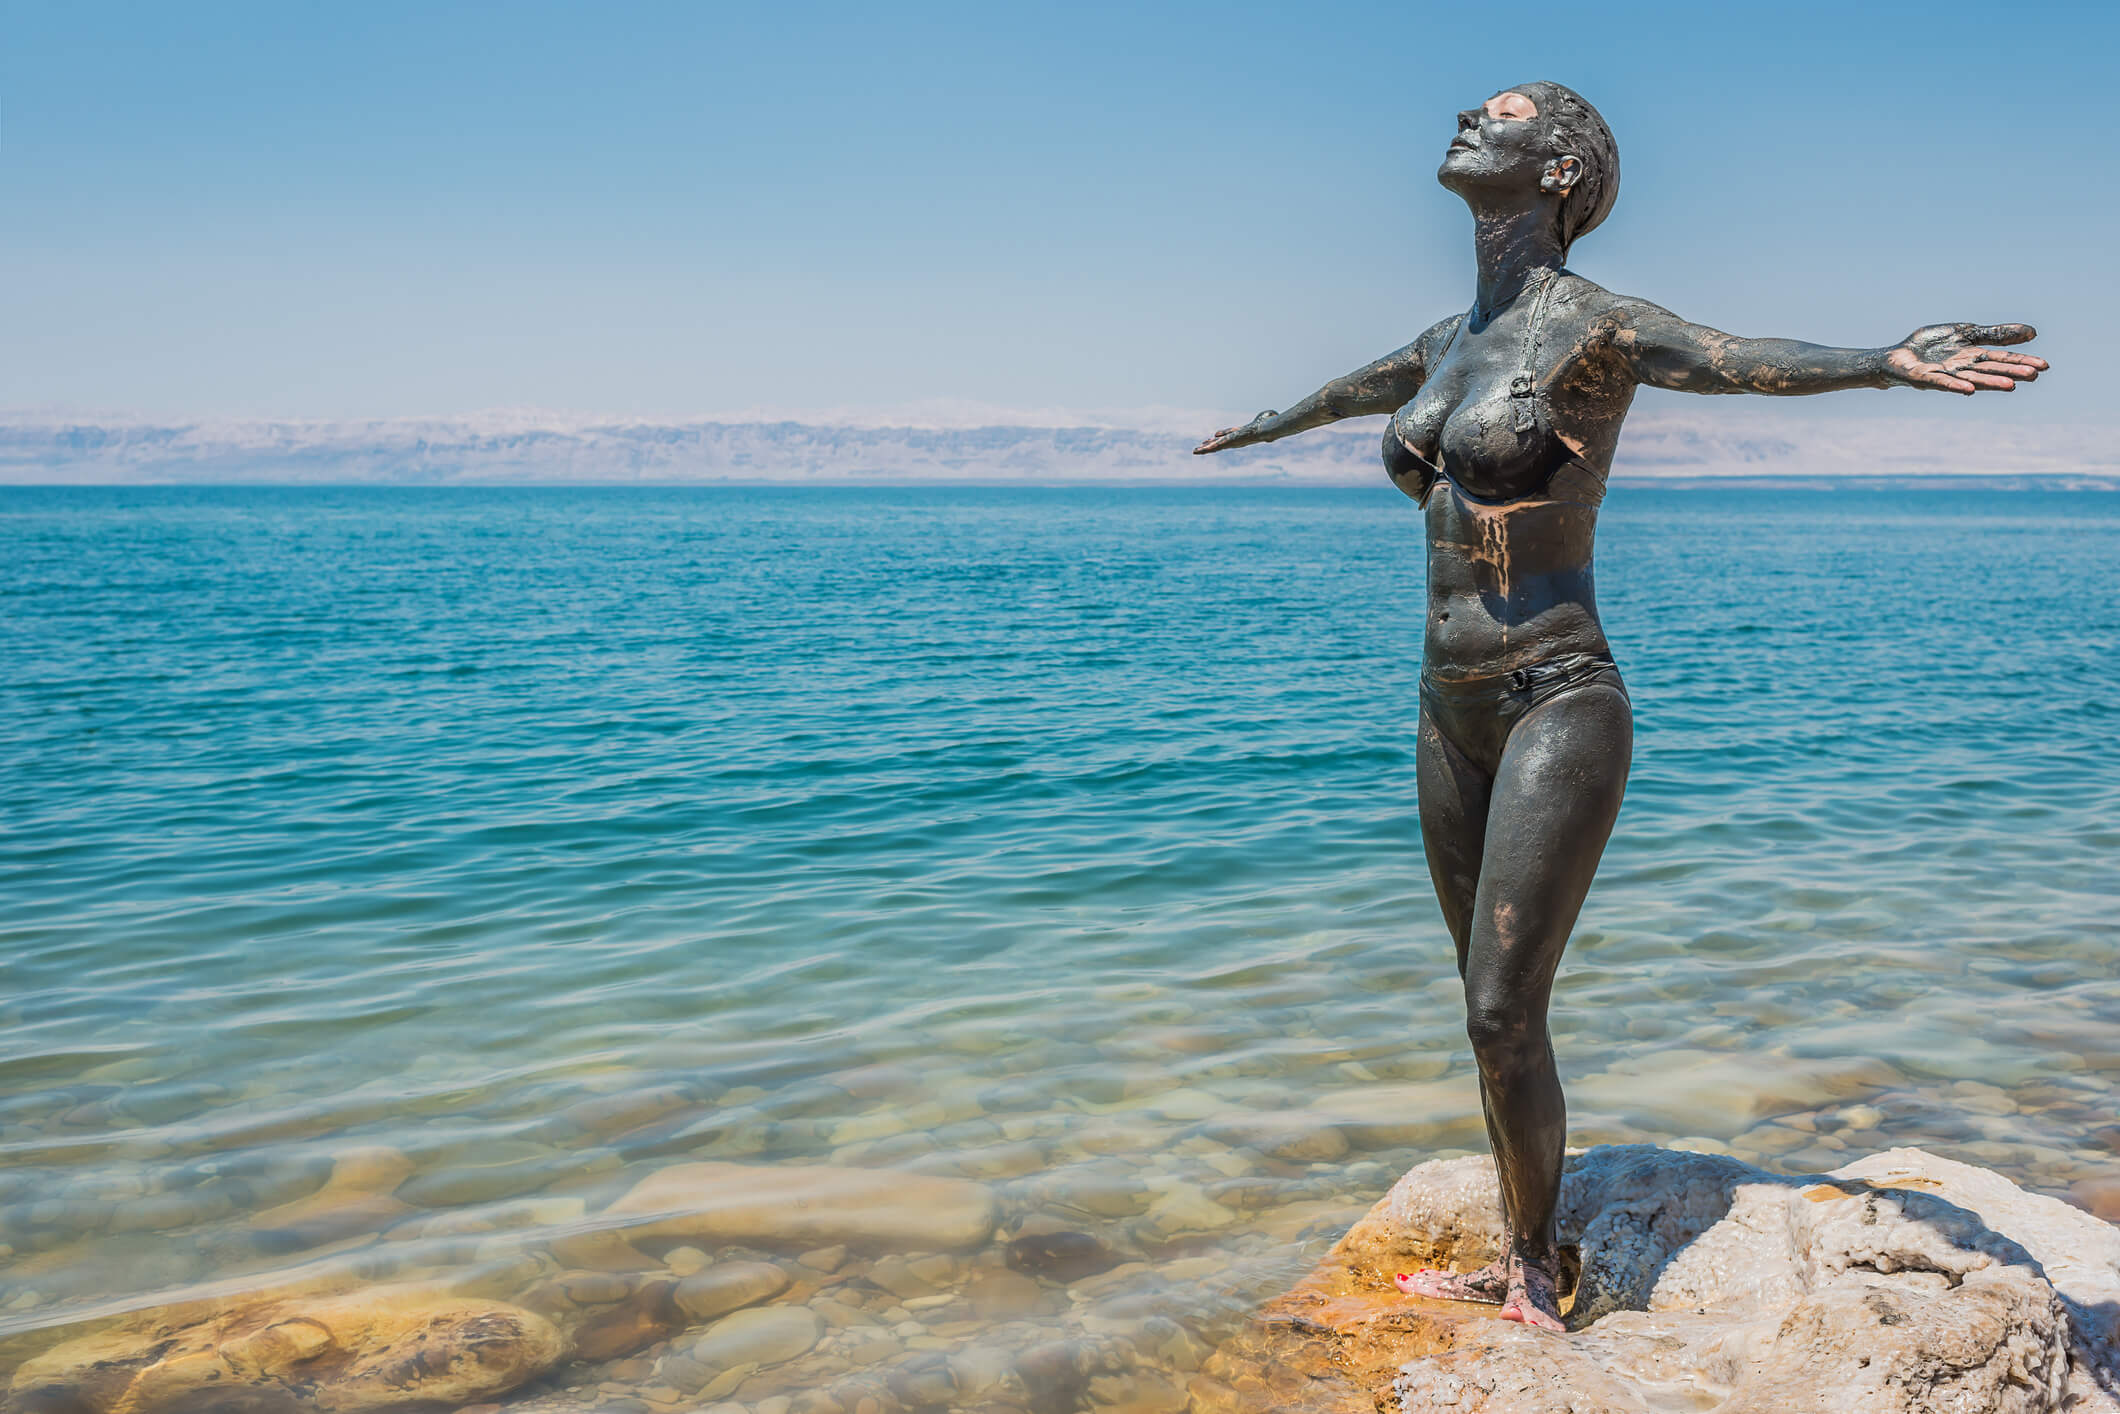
x=665, y=209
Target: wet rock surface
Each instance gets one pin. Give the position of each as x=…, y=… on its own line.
x=923, y=1268
x=375, y=1350
x=704, y=1286
x=1902, y=1281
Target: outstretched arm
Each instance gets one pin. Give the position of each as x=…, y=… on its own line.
x=1381, y=387
x=1664, y=351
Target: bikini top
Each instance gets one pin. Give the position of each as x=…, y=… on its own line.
x=1498, y=446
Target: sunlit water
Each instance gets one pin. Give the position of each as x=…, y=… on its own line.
x=1061, y=840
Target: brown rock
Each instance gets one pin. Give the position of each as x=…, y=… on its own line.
x=1060, y=1256
x=594, y=1288
x=924, y=1382
x=1294, y=1138
x=896, y=1275
x=374, y=1168
x=938, y=1268
x=731, y=1286
x=765, y=1336
x=644, y=1316
x=825, y=1259
x=1053, y=1377
x=868, y=1349
x=606, y=1115
x=1185, y=1208
x=354, y=1201
x=726, y=1382
x=841, y=1316
x=381, y=1349
x=2098, y=1196
x=802, y=1206
x=1002, y=1296
x=685, y=1261
x=1141, y=1393
x=1105, y=1191
x=601, y=1250
x=494, y=1171
x=1716, y=1092
x=1174, y=1346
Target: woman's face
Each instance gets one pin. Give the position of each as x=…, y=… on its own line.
x=1499, y=144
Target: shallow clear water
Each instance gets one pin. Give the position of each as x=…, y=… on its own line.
x=1060, y=839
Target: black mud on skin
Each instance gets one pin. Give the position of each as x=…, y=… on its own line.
x=1504, y=420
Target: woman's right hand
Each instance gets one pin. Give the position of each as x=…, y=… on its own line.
x=1252, y=431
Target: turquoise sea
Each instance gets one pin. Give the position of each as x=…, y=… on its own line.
x=526, y=842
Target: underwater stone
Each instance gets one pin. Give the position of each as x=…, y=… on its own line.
x=728, y=1287
x=803, y=1206
x=375, y=1350
x=1060, y=1256
x=1000, y=1296
x=765, y=1336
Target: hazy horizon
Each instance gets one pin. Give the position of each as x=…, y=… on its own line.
x=966, y=442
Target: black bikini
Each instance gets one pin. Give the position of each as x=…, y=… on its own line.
x=1508, y=436
x=1476, y=715
x=1505, y=438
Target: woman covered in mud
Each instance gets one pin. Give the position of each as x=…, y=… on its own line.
x=1503, y=425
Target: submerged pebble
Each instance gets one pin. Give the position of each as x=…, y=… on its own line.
x=766, y=1335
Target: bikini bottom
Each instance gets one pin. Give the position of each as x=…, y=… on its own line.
x=1476, y=715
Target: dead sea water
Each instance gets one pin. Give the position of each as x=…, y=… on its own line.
x=393, y=883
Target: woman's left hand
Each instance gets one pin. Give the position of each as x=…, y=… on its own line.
x=1951, y=358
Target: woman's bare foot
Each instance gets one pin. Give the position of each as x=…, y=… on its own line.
x=1489, y=1284
x=1534, y=1294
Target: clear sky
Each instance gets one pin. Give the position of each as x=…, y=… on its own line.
x=668, y=209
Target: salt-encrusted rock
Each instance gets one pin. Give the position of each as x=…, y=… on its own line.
x=1901, y=1282
x=382, y=1349
x=799, y=1206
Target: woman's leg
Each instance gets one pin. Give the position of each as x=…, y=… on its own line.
x=1551, y=810
x=1453, y=795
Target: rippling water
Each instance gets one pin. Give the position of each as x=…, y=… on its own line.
x=1063, y=840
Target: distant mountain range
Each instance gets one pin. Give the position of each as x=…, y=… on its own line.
x=975, y=445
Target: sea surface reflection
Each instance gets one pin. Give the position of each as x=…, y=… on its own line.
x=394, y=883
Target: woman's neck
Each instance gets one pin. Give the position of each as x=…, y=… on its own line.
x=1512, y=245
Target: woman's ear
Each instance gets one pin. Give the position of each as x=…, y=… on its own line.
x=1561, y=174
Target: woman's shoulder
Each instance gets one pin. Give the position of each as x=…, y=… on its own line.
x=1577, y=292
x=1437, y=336
x=1604, y=311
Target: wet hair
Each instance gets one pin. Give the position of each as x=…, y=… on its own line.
x=1579, y=131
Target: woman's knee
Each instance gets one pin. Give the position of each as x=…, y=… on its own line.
x=1508, y=1032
